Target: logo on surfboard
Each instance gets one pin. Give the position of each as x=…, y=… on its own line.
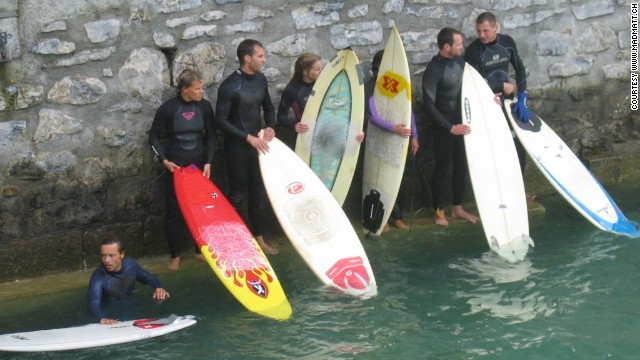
x=295, y=188
x=467, y=110
x=257, y=285
x=148, y=324
x=349, y=273
x=336, y=101
x=391, y=84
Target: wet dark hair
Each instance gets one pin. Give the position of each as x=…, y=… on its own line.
x=114, y=240
x=304, y=62
x=188, y=77
x=487, y=16
x=375, y=63
x=246, y=47
x=445, y=36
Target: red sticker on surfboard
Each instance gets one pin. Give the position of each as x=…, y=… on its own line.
x=349, y=273
x=147, y=324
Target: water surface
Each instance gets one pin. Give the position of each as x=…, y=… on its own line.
x=442, y=295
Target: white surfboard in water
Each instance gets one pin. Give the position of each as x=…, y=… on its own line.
x=315, y=223
x=494, y=170
x=93, y=335
x=569, y=176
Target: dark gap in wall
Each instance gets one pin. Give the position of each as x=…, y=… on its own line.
x=170, y=54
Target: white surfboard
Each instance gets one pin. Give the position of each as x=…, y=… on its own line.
x=494, y=170
x=315, y=223
x=334, y=114
x=93, y=335
x=569, y=176
x=386, y=153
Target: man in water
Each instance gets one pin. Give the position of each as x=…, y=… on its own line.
x=116, y=277
x=441, y=89
x=242, y=98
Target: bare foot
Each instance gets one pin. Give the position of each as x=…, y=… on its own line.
x=199, y=257
x=459, y=213
x=266, y=248
x=530, y=198
x=400, y=224
x=441, y=219
x=386, y=228
x=174, y=264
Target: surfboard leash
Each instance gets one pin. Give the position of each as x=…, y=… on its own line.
x=426, y=189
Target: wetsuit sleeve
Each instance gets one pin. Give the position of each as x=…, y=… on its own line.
x=145, y=277
x=94, y=295
x=226, y=93
x=210, y=128
x=160, y=120
x=268, y=108
x=287, y=100
x=376, y=119
x=516, y=62
x=430, y=80
x=414, y=128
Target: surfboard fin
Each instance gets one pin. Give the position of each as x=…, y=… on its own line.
x=372, y=211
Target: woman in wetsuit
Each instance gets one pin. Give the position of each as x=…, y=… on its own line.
x=307, y=68
x=188, y=122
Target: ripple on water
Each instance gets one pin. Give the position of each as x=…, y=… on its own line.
x=501, y=289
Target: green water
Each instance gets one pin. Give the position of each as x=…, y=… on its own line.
x=442, y=295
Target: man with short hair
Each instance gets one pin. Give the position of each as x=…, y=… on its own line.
x=116, y=278
x=490, y=54
x=441, y=90
x=242, y=99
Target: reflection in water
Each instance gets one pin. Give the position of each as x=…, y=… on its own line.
x=491, y=266
x=506, y=290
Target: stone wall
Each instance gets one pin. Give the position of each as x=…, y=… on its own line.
x=81, y=81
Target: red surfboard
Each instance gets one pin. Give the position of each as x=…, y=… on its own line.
x=228, y=246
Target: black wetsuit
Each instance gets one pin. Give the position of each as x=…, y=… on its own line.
x=441, y=91
x=241, y=100
x=192, y=140
x=116, y=285
x=294, y=96
x=492, y=62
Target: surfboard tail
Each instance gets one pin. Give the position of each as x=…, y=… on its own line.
x=515, y=250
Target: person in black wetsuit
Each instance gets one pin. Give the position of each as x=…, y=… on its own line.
x=441, y=91
x=371, y=115
x=307, y=68
x=116, y=278
x=188, y=119
x=242, y=97
x=490, y=54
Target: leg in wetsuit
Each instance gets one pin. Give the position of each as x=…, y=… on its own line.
x=448, y=148
x=244, y=177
